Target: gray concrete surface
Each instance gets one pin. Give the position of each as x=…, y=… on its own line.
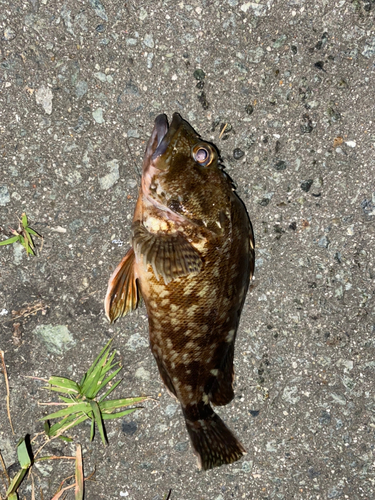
x=80, y=85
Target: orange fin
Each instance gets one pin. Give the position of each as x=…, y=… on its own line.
x=170, y=255
x=122, y=293
x=213, y=443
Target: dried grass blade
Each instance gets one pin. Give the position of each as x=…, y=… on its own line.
x=7, y=386
x=79, y=489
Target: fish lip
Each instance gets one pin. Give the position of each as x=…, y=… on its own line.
x=160, y=128
x=164, y=141
x=158, y=133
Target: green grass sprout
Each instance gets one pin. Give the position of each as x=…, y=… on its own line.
x=23, y=235
x=25, y=459
x=82, y=401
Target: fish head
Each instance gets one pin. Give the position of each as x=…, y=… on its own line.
x=182, y=175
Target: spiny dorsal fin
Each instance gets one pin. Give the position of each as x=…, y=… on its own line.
x=169, y=254
x=122, y=293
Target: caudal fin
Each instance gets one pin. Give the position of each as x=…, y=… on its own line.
x=213, y=442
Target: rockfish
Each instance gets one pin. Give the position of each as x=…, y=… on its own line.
x=191, y=260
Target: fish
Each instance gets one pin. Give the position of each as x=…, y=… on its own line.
x=191, y=260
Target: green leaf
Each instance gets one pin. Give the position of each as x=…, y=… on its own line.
x=64, y=391
x=47, y=427
x=66, y=439
x=25, y=244
x=98, y=419
x=108, y=365
x=14, y=484
x=109, y=361
x=118, y=403
x=68, y=400
x=65, y=383
x=89, y=385
x=28, y=239
x=110, y=416
x=92, y=367
x=10, y=240
x=25, y=462
x=71, y=410
x=92, y=429
x=110, y=390
x=94, y=386
x=110, y=377
x=23, y=454
x=24, y=219
x=66, y=424
x=31, y=231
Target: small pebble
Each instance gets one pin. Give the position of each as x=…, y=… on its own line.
x=107, y=181
x=99, y=9
x=249, y=109
x=238, y=153
x=44, y=97
x=9, y=34
x=81, y=88
x=323, y=242
x=306, y=185
x=199, y=74
x=280, y=165
x=4, y=196
x=149, y=41
x=98, y=115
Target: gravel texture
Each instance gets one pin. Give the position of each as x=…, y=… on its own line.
x=285, y=89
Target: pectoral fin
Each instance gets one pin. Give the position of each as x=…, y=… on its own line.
x=122, y=293
x=170, y=255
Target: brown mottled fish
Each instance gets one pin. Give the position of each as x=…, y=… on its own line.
x=191, y=260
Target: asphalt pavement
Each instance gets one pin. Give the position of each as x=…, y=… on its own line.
x=285, y=89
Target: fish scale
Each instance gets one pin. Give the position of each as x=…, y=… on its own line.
x=191, y=260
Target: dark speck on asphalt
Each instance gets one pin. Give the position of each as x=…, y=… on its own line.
x=238, y=153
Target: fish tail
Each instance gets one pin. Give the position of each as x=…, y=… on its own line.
x=213, y=443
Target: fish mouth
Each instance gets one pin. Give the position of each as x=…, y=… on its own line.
x=160, y=131
x=161, y=139
x=165, y=133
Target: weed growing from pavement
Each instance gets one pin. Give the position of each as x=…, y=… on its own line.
x=27, y=460
x=23, y=235
x=82, y=401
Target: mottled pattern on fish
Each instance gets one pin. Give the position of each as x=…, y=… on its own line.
x=192, y=258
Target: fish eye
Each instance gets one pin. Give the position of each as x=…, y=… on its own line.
x=202, y=155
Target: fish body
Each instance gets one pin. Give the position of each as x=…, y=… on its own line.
x=191, y=260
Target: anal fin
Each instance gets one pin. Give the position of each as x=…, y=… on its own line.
x=165, y=376
x=169, y=254
x=221, y=392
x=122, y=292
